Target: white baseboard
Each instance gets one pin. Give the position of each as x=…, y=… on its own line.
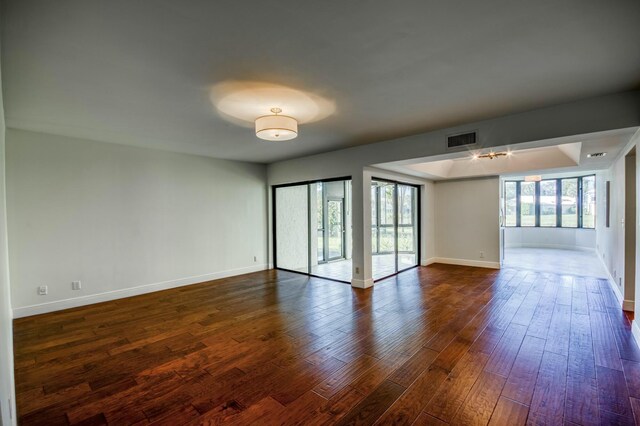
x=615, y=288
x=628, y=305
x=550, y=246
x=90, y=299
x=427, y=262
x=465, y=262
x=635, y=330
x=361, y=283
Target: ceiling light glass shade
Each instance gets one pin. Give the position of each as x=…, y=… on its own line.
x=276, y=127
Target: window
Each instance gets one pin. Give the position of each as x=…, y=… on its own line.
x=548, y=209
x=406, y=212
x=569, y=203
x=528, y=204
x=566, y=203
x=510, y=201
x=387, y=238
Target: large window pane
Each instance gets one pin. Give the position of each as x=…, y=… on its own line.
x=387, y=205
x=405, y=239
x=548, y=212
x=387, y=243
x=569, y=203
x=405, y=204
x=527, y=204
x=510, y=208
x=589, y=202
x=374, y=240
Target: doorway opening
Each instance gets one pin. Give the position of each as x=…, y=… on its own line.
x=630, y=229
x=548, y=224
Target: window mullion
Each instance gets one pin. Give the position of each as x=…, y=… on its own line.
x=537, y=204
x=559, y=203
x=518, y=206
x=579, y=198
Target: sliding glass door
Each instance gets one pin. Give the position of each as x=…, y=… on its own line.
x=407, y=226
x=312, y=228
x=394, y=227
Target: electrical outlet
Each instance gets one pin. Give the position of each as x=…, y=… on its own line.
x=76, y=285
x=255, y=258
x=43, y=290
x=481, y=255
x=357, y=270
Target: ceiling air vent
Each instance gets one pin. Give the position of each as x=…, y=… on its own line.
x=596, y=154
x=462, y=139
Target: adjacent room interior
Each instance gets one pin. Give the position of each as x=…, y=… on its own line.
x=295, y=213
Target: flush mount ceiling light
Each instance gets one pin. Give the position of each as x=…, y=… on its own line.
x=276, y=127
x=596, y=154
x=279, y=109
x=492, y=155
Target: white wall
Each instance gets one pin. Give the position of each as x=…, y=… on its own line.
x=564, y=238
x=428, y=224
x=610, y=241
x=467, y=214
x=7, y=390
x=119, y=217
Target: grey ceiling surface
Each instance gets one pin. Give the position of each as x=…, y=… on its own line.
x=139, y=72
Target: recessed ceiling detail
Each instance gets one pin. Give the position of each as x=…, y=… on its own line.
x=513, y=162
x=570, y=153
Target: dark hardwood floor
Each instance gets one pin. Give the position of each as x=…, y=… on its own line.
x=435, y=345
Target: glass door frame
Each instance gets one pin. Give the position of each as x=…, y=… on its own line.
x=274, y=188
x=396, y=222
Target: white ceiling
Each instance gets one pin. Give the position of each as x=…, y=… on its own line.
x=140, y=72
x=569, y=154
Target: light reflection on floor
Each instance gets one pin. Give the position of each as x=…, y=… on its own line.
x=558, y=261
x=383, y=265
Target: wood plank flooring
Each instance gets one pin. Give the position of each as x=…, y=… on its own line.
x=435, y=345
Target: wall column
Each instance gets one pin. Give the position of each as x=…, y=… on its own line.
x=361, y=217
x=635, y=327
